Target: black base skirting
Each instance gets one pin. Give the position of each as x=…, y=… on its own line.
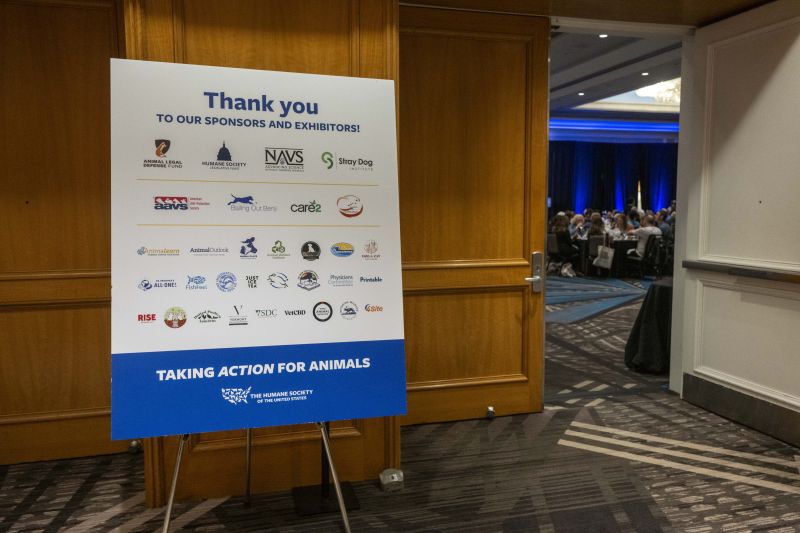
x=774, y=420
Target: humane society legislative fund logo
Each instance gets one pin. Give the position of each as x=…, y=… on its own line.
x=224, y=160
x=236, y=396
x=226, y=282
x=161, y=161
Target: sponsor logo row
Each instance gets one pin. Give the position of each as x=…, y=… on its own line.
x=248, y=249
x=349, y=205
x=276, y=159
x=237, y=315
x=228, y=281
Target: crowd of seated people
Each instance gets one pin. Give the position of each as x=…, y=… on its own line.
x=631, y=224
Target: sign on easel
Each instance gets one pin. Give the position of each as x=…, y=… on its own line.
x=256, y=276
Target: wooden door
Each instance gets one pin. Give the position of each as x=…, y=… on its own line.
x=473, y=151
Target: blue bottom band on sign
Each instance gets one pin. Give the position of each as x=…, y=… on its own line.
x=193, y=391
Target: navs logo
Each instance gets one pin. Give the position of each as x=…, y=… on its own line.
x=350, y=206
x=175, y=317
x=171, y=203
x=342, y=249
x=283, y=159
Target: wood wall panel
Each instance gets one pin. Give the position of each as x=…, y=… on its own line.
x=54, y=215
x=338, y=37
x=489, y=322
x=473, y=146
x=463, y=146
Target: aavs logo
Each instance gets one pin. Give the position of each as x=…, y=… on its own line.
x=327, y=158
x=283, y=159
x=175, y=317
x=171, y=203
x=350, y=206
x=312, y=207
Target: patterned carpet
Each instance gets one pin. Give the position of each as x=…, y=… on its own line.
x=613, y=452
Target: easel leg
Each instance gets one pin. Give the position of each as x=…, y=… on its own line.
x=176, y=470
x=342, y=508
x=248, y=450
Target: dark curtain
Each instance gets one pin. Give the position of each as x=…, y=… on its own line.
x=602, y=176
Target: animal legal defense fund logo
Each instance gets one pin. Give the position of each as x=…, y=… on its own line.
x=349, y=206
x=248, y=249
x=283, y=159
x=161, y=161
x=336, y=161
x=175, y=317
x=236, y=396
x=248, y=204
x=224, y=161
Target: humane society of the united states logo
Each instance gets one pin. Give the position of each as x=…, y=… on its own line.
x=236, y=396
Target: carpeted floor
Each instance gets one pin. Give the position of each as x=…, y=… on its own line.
x=613, y=451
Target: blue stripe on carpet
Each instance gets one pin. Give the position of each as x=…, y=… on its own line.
x=597, y=295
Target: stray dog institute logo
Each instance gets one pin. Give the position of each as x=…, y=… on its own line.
x=236, y=396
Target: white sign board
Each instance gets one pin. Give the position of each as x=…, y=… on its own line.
x=256, y=276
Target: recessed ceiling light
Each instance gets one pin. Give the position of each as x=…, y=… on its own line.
x=581, y=94
x=645, y=73
x=603, y=35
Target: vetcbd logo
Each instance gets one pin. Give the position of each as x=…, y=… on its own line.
x=348, y=310
x=350, y=206
x=312, y=207
x=146, y=318
x=171, y=203
x=162, y=147
x=294, y=312
x=207, y=317
x=369, y=308
x=323, y=311
x=283, y=159
x=175, y=317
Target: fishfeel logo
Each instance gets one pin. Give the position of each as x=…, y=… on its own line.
x=349, y=206
x=283, y=159
x=171, y=203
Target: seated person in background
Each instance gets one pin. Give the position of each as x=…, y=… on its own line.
x=577, y=227
x=596, y=225
x=634, y=218
x=643, y=233
x=661, y=223
x=566, y=250
x=620, y=227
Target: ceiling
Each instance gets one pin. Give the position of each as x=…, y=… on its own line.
x=585, y=68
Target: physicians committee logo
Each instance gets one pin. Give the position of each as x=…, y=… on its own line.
x=323, y=311
x=307, y=280
x=161, y=161
x=248, y=204
x=224, y=160
x=175, y=317
x=283, y=159
x=226, y=282
x=350, y=206
x=278, y=280
x=343, y=280
x=236, y=396
x=348, y=310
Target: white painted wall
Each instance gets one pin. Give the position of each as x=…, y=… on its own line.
x=738, y=203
